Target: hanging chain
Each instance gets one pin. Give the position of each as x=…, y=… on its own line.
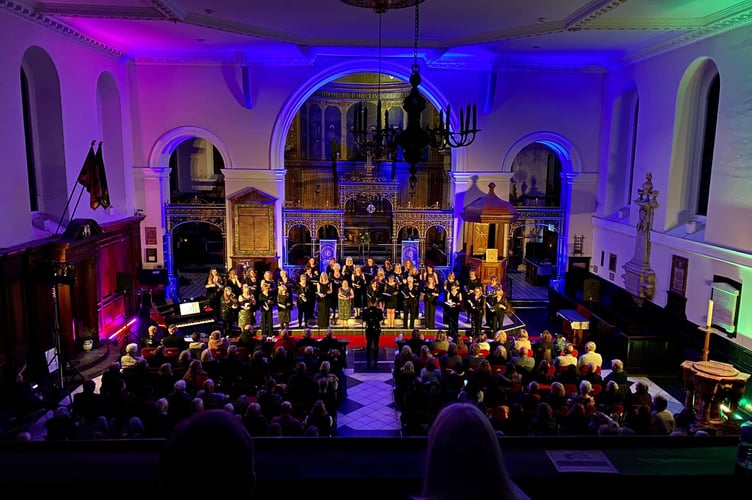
x=379, y=75
x=417, y=30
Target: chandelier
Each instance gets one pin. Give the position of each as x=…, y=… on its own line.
x=415, y=138
x=379, y=141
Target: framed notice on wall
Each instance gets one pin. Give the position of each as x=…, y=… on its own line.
x=678, y=282
x=150, y=235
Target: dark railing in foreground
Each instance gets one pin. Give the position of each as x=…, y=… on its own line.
x=391, y=468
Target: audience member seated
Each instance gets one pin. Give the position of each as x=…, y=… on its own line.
x=87, y=403
x=592, y=374
x=179, y=403
x=403, y=380
x=415, y=341
x=640, y=395
x=637, y=418
x=197, y=345
x=589, y=357
x=482, y=341
x=180, y=367
x=204, y=435
x=287, y=341
x=306, y=341
x=319, y=418
x=153, y=337
x=523, y=340
x=173, y=339
x=254, y=420
x=473, y=359
x=619, y=375
x=195, y=377
x=462, y=434
x=424, y=357
x=567, y=376
x=440, y=344
x=662, y=422
x=290, y=425
x=566, y=358
x=210, y=396
x=405, y=355
x=544, y=421
x=525, y=363
x=544, y=347
x=498, y=356
x=328, y=342
x=131, y=357
x=248, y=338
x=218, y=343
x=60, y=426
x=451, y=358
x=557, y=398
x=544, y=373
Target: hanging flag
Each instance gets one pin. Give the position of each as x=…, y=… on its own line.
x=103, y=192
x=86, y=176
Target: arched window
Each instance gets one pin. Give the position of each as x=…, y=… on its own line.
x=43, y=126
x=694, y=143
x=618, y=181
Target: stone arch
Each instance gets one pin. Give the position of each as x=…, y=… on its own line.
x=165, y=145
x=571, y=162
x=290, y=108
x=571, y=167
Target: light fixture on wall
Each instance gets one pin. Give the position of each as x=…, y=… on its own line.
x=415, y=138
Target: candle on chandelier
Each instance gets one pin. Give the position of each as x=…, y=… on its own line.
x=710, y=312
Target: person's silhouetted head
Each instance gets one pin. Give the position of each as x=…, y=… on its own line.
x=461, y=433
x=206, y=434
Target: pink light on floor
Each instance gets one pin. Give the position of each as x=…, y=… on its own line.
x=122, y=329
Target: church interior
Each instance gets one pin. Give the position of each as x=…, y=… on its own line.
x=591, y=157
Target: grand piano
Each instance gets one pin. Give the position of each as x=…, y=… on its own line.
x=187, y=314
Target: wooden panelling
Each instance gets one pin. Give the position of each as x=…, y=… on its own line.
x=88, y=304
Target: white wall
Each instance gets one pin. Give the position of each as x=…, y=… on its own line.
x=78, y=67
x=727, y=242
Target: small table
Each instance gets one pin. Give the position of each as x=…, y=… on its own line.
x=577, y=322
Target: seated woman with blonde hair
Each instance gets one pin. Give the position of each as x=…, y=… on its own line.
x=461, y=433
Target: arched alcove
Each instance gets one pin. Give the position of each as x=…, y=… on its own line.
x=43, y=127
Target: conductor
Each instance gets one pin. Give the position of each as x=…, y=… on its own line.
x=372, y=317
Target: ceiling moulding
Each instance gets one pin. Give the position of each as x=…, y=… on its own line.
x=28, y=14
x=590, y=11
x=717, y=26
x=100, y=11
x=214, y=59
x=555, y=68
x=245, y=29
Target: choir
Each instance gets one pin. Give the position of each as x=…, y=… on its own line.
x=341, y=293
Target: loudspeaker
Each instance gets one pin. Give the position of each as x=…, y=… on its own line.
x=124, y=282
x=591, y=290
